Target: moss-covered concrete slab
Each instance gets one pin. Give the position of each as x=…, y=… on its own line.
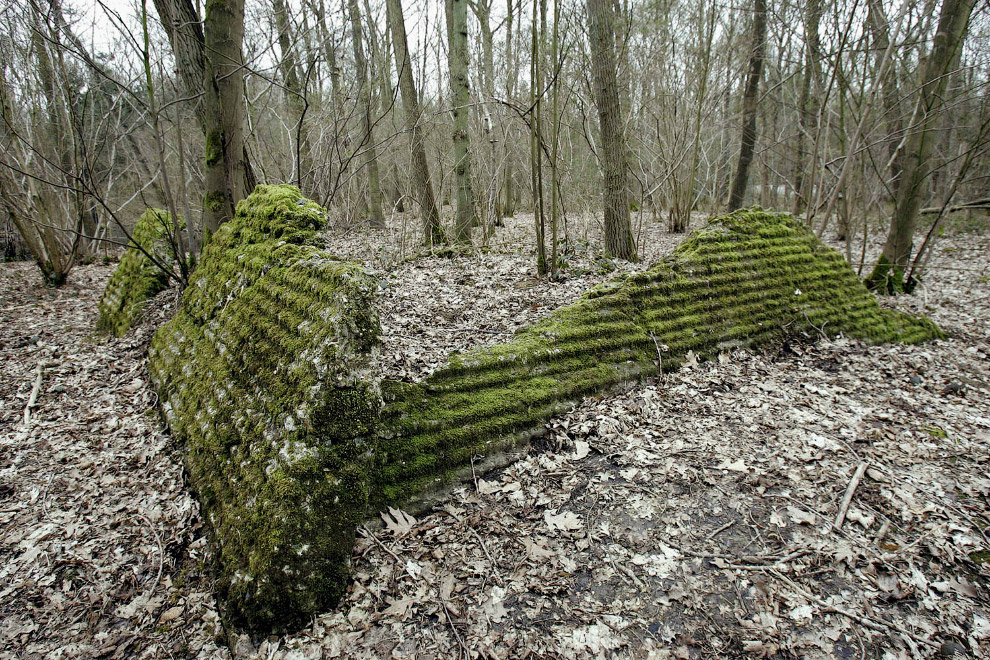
x=745, y=280
x=137, y=279
x=267, y=375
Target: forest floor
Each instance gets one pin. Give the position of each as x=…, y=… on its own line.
x=690, y=517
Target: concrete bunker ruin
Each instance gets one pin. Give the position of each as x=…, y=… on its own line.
x=268, y=377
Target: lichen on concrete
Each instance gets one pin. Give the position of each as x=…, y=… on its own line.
x=267, y=376
x=137, y=279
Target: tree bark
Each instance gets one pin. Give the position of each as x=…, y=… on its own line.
x=737, y=192
x=880, y=29
x=460, y=94
x=184, y=29
x=224, y=114
x=295, y=96
x=619, y=241
x=376, y=219
x=432, y=230
x=536, y=137
x=508, y=201
x=810, y=83
x=888, y=275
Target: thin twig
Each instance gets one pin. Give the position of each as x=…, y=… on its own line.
x=720, y=530
x=659, y=355
x=161, y=552
x=850, y=491
x=495, y=570
x=873, y=624
x=44, y=498
x=467, y=651
x=474, y=475
x=34, y=395
x=381, y=545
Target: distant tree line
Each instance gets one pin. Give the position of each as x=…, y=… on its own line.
x=844, y=113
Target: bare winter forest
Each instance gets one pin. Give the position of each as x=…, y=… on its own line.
x=490, y=161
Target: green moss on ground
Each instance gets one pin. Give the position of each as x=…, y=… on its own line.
x=137, y=279
x=268, y=377
x=745, y=280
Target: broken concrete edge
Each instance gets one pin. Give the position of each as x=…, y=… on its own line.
x=268, y=375
x=137, y=279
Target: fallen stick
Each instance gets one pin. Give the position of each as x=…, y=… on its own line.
x=720, y=530
x=850, y=491
x=382, y=545
x=34, y=396
x=498, y=575
x=873, y=624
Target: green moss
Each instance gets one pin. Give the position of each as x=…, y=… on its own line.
x=137, y=279
x=980, y=556
x=266, y=376
x=214, y=148
x=886, y=277
x=214, y=201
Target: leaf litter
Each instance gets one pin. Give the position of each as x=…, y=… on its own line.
x=693, y=516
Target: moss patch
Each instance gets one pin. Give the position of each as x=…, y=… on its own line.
x=747, y=279
x=267, y=375
x=137, y=279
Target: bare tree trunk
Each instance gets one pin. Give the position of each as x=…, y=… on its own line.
x=684, y=198
x=737, y=192
x=880, y=28
x=536, y=140
x=184, y=28
x=224, y=116
x=601, y=33
x=888, y=275
x=460, y=100
x=432, y=230
x=482, y=10
x=508, y=204
x=376, y=218
x=295, y=96
x=810, y=83
x=555, y=149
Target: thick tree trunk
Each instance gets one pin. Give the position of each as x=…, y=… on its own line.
x=184, y=28
x=375, y=217
x=460, y=100
x=888, y=275
x=224, y=116
x=737, y=193
x=601, y=33
x=432, y=231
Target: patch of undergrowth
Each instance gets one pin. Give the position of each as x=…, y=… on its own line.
x=138, y=278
